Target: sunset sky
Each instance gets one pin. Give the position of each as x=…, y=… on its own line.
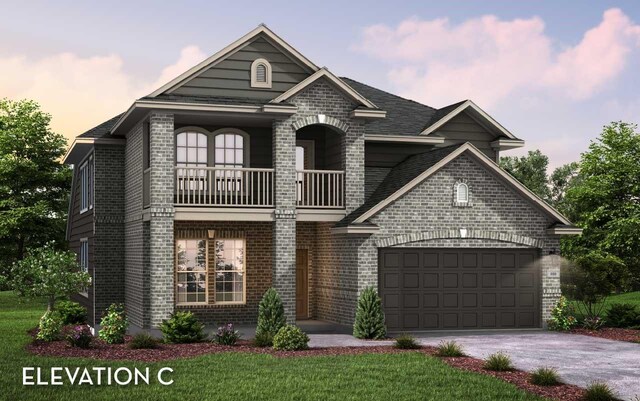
x=552, y=72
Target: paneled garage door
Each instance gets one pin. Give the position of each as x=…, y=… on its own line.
x=459, y=289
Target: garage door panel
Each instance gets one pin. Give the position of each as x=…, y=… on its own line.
x=453, y=289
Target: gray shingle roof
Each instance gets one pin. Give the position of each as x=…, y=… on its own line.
x=207, y=99
x=101, y=130
x=398, y=177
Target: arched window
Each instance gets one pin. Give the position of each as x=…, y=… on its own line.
x=260, y=74
x=462, y=193
x=191, y=149
x=229, y=149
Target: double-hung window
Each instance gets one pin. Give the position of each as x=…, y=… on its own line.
x=86, y=185
x=84, y=260
x=191, y=271
x=230, y=271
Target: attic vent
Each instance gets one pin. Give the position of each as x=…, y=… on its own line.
x=261, y=74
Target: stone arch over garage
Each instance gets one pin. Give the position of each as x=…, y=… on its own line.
x=460, y=234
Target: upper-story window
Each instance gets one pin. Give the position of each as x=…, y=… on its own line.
x=260, y=74
x=191, y=149
x=85, y=176
x=231, y=148
x=462, y=193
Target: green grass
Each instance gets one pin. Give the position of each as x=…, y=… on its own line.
x=632, y=298
x=406, y=376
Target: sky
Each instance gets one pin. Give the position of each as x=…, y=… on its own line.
x=552, y=72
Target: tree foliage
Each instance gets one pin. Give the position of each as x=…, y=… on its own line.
x=530, y=170
x=34, y=185
x=46, y=272
x=271, y=316
x=369, y=322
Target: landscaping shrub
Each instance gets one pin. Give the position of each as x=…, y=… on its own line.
x=78, y=336
x=143, y=341
x=227, y=335
x=449, y=349
x=406, y=341
x=49, y=327
x=498, y=362
x=562, y=316
x=592, y=323
x=369, y=322
x=270, y=314
x=182, y=327
x=545, y=377
x=114, y=324
x=623, y=315
x=263, y=339
x=290, y=338
x=599, y=391
x=71, y=313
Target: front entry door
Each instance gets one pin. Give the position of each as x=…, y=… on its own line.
x=302, y=284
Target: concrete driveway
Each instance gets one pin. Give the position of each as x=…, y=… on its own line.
x=578, y=359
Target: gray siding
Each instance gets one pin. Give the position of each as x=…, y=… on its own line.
x=232, y=76
x=379, y=154
x=463, y=128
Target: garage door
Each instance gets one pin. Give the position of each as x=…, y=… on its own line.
x=459, y=289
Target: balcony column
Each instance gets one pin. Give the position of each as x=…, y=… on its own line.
x=160, y=266
x=284, y=227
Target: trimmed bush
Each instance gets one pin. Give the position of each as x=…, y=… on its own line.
x=406, y=341
x=71, y=313
x=592, y=323
x=271, y=316
x=623, y=315
x=545, y=377
x=369, y=322
x=290, y=338
x=143, y=341
x=227, y=335
x=449, y=349
x=499, y=362
x=114, y=324
x=49, y=327
x=78, y=336
x=599, y=391
x=263, y=339
x=562, y=316
x=182, y=327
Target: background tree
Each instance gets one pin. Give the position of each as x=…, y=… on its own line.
x=560, y=181
x=34, y=185
x=530, y=170
x=605, y=199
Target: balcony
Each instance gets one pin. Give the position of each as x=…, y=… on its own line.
x=254, y=188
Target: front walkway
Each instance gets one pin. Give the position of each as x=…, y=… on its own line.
x=578, y=359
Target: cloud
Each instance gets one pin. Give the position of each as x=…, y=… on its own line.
x=81, y=92
x=488, y=59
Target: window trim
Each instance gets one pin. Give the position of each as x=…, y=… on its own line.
x=244, y=272
x=254, y=69
x=206, y=272
x=83, y=178
x=458, y=199
x=246, y=149
x=84, y=267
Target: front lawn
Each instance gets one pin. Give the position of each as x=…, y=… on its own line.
x=632, y=298
x=232, y=376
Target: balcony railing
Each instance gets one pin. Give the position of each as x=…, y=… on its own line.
x=254, y=187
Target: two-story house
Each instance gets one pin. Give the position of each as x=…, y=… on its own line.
x=257, y=168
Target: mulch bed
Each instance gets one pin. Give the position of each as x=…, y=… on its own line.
x=611, y=333
x=164, y=352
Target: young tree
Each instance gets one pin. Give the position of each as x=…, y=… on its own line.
x=271, y=316
x=530, y=170
x=34, y=185
x=369, y=322
x=605, y=200
x=46, y=272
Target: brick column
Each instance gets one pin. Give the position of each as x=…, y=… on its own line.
x=161, y=244
x=284, y=226
x=550, y=269
x=353, y=165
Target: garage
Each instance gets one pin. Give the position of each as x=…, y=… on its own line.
x=459, y=289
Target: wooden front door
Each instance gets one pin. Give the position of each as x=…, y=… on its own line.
x=302, y=284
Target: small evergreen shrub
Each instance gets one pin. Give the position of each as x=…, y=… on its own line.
x=599, y=391
x=271, y=316
x=290, y=338
x=78, y=336
x=406, y=341
x=71, y=313
x=449, y=349
x=263, y=339
x=369, y=322
x=499, y=362
x=592, y=323
x=182, y=327
x=623, y=315
x=143, y=341
x=227, y=335
x=545, y=377
x=114, y=324
x=562, y=316
x=49, y=327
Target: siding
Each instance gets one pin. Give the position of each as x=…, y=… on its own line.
x=463, y=128
x=232, y=76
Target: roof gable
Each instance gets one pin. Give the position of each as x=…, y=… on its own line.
x=227, y=73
